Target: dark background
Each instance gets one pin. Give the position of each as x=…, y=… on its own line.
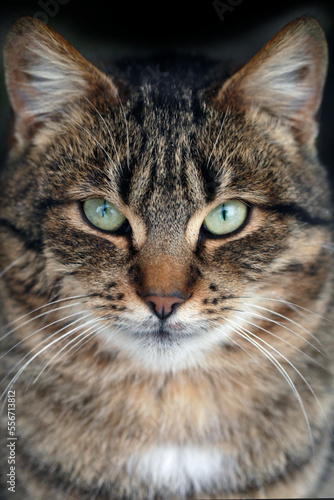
x=99, y=28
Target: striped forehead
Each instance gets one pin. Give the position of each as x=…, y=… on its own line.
x=164, y=168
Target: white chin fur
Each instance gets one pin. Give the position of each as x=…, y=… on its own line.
x=163, y=355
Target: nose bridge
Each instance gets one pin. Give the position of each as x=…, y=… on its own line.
x=164, y=274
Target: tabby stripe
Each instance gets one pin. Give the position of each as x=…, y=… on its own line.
x=299, y=213
x=48, y=203
x=209, y=179
x=127, y=173
x=23, y=236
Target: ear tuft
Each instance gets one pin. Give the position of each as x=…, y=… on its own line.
x=286, y=78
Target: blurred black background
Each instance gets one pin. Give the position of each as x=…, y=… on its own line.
x=238, y=30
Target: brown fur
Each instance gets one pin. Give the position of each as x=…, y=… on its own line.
x=163, y=157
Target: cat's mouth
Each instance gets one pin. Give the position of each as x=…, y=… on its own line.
x=169, y=345
x=166, y=332
x=162, y=331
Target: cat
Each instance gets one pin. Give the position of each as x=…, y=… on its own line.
x=166, y=282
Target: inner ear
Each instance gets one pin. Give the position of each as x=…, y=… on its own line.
x=286, y=78
x=44, y=74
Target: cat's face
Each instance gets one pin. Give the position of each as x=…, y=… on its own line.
x=177, y=212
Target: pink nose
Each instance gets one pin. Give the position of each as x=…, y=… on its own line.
x=163, y=306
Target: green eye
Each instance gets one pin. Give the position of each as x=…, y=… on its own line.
x=103, y=214
x=226, y=218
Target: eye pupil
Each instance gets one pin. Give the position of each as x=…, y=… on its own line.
x=104, y=208
x=224, y=212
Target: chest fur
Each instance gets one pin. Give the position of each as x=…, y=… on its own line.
x=182, y=468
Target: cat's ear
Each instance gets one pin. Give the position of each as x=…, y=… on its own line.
x=44, y=73
x=286, y=77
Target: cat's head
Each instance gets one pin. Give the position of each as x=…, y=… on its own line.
x=176, y=207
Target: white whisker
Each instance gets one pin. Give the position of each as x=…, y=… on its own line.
x=287, y=319
x=74, y=297
x=13, y=264
x=227, y=158
x=21, y=370
x=40, y=316
x=281, y=339
x=42, y=342
x=295, y=307
x=81, y=342
x=231, y=339
x=285, y=327
x=248, y=335
x=94, y=321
